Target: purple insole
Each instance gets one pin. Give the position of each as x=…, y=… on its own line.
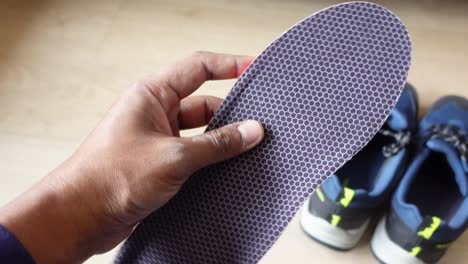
x=322, y=90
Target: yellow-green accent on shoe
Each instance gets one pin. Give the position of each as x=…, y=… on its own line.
x=348, y=195
x=440, y=246
x=415, y=251
x=428, y=231
x=335, y=220
x=320, y=194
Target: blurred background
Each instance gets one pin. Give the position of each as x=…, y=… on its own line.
x=63, y=63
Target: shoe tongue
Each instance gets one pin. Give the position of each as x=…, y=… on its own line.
x=454, y=161
x=397, y=120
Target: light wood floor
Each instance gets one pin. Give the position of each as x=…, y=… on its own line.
x=62, y=64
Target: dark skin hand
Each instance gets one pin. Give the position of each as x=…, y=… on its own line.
x=131, y=164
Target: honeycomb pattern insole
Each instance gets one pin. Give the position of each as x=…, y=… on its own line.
x=322, y=90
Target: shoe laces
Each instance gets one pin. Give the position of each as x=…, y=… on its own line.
x=453, y=135
x=402, y=139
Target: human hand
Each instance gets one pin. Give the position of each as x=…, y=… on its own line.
x=131, y=164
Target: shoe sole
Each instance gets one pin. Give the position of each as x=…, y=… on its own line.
x=322, y=90
x=387, y=251
x=331, y=236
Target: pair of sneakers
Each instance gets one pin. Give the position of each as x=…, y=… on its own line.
x=421, y=169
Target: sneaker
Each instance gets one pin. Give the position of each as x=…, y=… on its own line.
x=339, y=211
x=429, y=209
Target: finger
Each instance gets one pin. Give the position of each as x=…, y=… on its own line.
x=222, y=143
x=185, y=76
x=197, y=111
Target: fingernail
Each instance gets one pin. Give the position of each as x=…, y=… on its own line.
x=250, y=131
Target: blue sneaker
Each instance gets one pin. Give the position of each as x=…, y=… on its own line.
x=338, y=212
x=429, y=209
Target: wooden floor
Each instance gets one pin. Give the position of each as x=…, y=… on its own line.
x=62, y=64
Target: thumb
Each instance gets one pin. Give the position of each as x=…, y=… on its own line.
x=223, y=143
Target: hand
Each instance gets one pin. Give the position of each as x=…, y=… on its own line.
x=131, y=164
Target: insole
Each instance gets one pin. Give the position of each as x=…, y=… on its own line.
x=434, y=190
x=322, y=90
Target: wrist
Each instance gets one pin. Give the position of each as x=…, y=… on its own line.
x=52, y=222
